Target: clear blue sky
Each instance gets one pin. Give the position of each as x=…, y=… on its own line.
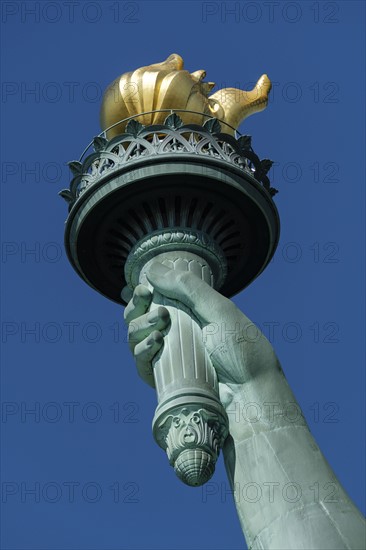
x=100, y=480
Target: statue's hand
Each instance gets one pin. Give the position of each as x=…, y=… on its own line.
x=238, y=350
x=144, y=336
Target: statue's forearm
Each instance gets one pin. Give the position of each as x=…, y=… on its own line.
x=286, y=494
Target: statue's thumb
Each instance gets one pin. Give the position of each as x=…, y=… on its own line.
x=166, y=281
x=171, y=283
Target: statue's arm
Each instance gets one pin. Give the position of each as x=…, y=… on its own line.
x=286, y=494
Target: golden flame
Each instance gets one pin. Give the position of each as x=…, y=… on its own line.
x=167, y=85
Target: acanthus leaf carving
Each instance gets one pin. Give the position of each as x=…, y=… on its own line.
x=173, y=121
x=99, y=143
x=76, y=167
x=245, y=142
x=212, y=125
x=134, y=127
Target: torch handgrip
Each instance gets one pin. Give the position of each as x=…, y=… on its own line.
x=183, y=360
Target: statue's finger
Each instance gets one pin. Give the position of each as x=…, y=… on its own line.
x=143, y=326
x=144, y=353
x=126, y=294
x=139, y=304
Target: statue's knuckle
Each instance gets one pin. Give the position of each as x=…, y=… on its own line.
x=157, y=337
x=163, y=313
x=131, y=331
x=141, y=294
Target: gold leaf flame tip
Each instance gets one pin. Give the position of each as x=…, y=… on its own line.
x=166, y=86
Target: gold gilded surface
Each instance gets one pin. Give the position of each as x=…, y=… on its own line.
x=167, y=85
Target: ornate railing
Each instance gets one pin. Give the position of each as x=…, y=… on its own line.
x=140, y=142
x=104, y=133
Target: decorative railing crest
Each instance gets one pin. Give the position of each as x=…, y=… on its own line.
x=172, y=137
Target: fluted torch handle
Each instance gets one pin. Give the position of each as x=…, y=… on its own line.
x=183, y=360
